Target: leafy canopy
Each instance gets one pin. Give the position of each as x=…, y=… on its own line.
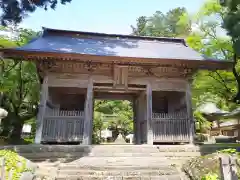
x=19, y=85
x=162, y=25
x=203, y=32
x=14, y=11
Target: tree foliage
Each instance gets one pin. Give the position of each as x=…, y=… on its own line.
x=14, y=11
x=19, y=86
x=209, y=39
x=162, y=25
x=121, y=113
x=231, y=22
x=204, y=33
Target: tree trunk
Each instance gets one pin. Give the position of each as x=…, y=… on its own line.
x=17, y=129
x=237, y=77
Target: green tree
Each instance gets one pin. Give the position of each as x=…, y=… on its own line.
x=140, y=29
x=162, y=25
x=122, y=114
x=209, y=38
x=203, y=32
x=231, y=22
x=13, y=11
x=19, y=85
x=98, y=126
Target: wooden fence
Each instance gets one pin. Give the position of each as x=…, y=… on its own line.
x=172, y=127
x=63, y=126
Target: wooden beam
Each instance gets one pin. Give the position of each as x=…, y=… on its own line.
x=99, y=88
x=149, y=115
x=120, y=76
x=113, y=96
x=42, y=110
x=87, y=135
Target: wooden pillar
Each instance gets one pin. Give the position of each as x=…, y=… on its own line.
x=88, y=111
x=41, y=110
x=190, y=113
x=138, y=119
x=142, y=113
x=141, y=108
x=135, y=119
x=149, y=115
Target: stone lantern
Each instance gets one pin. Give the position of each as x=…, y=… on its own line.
x=3, y=114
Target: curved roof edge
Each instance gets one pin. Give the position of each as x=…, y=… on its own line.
x=50, y=31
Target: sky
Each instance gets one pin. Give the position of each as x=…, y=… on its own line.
x=104, y=16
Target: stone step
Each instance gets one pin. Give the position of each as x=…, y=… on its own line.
x=89, y=177
x=118, y=172
x=143, y=148
x=145, y=154
x=114, y=161
x=112, y=177
x=136, y=161
x=107, y=154
x=34, y=148
x=109, y=167
x=112, y=172
x=86, y=149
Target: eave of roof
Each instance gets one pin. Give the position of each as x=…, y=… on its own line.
x=35, y=55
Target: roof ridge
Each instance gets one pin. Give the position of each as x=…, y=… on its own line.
x=48, y=31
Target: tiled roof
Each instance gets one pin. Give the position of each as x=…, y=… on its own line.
x=111, y=45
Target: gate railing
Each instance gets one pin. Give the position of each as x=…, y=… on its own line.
x=57, y=113
x=170, y=127
x=62, y=126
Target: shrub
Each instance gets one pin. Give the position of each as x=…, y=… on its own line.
x=200, y=137
x=14, y=164
x=210, y=176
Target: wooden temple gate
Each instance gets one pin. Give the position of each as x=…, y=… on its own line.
x=76, y=67
x=159, y=115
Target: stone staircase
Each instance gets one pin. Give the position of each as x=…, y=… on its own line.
x=113, y=162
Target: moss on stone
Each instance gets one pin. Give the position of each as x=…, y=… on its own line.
x=199, y=167
x=202, y=166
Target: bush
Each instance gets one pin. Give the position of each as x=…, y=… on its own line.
x=210, y=176
x=200, y=137
x=16, y=165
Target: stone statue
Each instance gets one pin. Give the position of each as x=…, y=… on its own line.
x=120, y=139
